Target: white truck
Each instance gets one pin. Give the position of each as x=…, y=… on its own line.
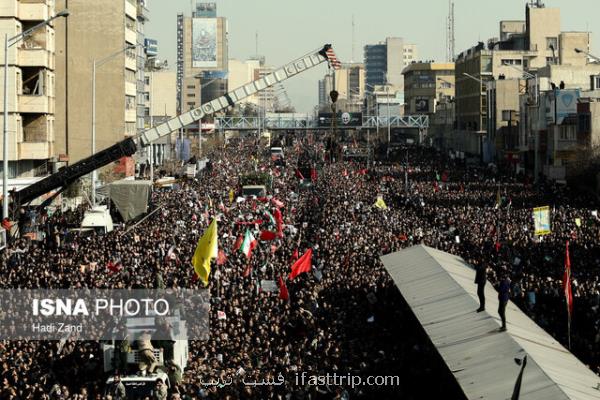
x=138, y=385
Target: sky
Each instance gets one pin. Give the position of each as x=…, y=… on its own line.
x=288, y=29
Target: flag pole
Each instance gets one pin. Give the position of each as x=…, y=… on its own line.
x=569, y=327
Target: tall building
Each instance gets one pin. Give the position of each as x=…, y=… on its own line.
x=30, y=91
x=385, y=61
x=141, y=56
x=202, y=56
x=96, y=31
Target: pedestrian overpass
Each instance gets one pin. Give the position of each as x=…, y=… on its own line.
x=439, y=289
x=222, y=124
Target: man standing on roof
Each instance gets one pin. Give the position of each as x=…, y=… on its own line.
x=503, y=297
x=480, y=280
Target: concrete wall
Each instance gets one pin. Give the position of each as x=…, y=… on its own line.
x=93, y=30
x=163, y=92
x=568, y=42
x=543, y=23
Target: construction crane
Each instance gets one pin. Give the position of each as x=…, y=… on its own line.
x=68, y=175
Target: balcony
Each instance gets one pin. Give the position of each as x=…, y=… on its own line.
x=34, y=104
x=130, y=36
x=130, y=89
x=131, y=8
x=130, y=63
x=33, y=10
x=9, y=8
x=34, y=150
x=130, y=115
x=36, y=58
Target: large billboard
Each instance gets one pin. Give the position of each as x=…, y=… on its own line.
x=204, y=42
x=344, y=119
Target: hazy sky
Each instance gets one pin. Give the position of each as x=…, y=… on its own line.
x=288, y=29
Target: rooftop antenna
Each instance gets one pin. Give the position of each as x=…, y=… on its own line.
x=450, y=39
x=192, y=7
x=256, y=39
x=353, y=41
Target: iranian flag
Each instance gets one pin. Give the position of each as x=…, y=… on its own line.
x=248, y=244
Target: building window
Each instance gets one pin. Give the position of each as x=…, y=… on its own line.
x=191, y=87
x=511, y=62
x=595, y=82
x=130, y=128
x=129, y=102
x=552, y=43
x=445, y=85
x=146, y=96
x=146, y=111
x=191, y=95
x=147, y=80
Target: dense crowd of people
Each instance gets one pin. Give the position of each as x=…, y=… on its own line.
x=345, y=316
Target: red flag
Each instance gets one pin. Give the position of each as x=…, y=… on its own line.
x=299, y=174
x=294, y=256
x=267, y=235
x=277, y=203
x=221, y=257
x=279, y=222
x=283, y=291
x=497, y=245
x=313, y=174
x=302, y=265
x=238, y=243
x=247, y=271
x=567, y=282
x=113, y=267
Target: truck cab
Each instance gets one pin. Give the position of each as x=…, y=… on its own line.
x=98, y=219
x=139, y=385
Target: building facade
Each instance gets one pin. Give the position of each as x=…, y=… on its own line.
x=202, y=56
x=160, y=105
x=528, y=46
x=385, y=61
x=96, y=31
x=31, y=87
x=426, y=85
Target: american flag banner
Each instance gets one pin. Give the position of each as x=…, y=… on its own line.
x=333, y=60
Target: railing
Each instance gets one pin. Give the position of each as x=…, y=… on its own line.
x=253, y=123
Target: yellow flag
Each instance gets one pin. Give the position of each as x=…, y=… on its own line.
x=207, y=249
x=380, y=203
x=578, y=221
x=231, y=194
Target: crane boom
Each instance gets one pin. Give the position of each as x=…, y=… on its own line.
x=230, y=99
x=67, y=175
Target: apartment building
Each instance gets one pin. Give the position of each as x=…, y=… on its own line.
x=528, y=46
x=426, y=84
x=96, y=31
x=31, y=86
x=349, y=83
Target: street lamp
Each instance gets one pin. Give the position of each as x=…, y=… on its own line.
x=95, y=65
x=595, y=58
x=528, y=75
x=9, y=42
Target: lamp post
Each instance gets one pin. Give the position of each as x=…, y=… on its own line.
x=529, y=75
x=95, y=65
x=482, y=83
x=9, y=42
x=595, y=58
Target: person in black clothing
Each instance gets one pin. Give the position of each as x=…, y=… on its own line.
x=503, y=297
x=480, y=280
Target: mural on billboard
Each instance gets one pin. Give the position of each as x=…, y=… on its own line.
x=204, y=43
x=422, y=105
